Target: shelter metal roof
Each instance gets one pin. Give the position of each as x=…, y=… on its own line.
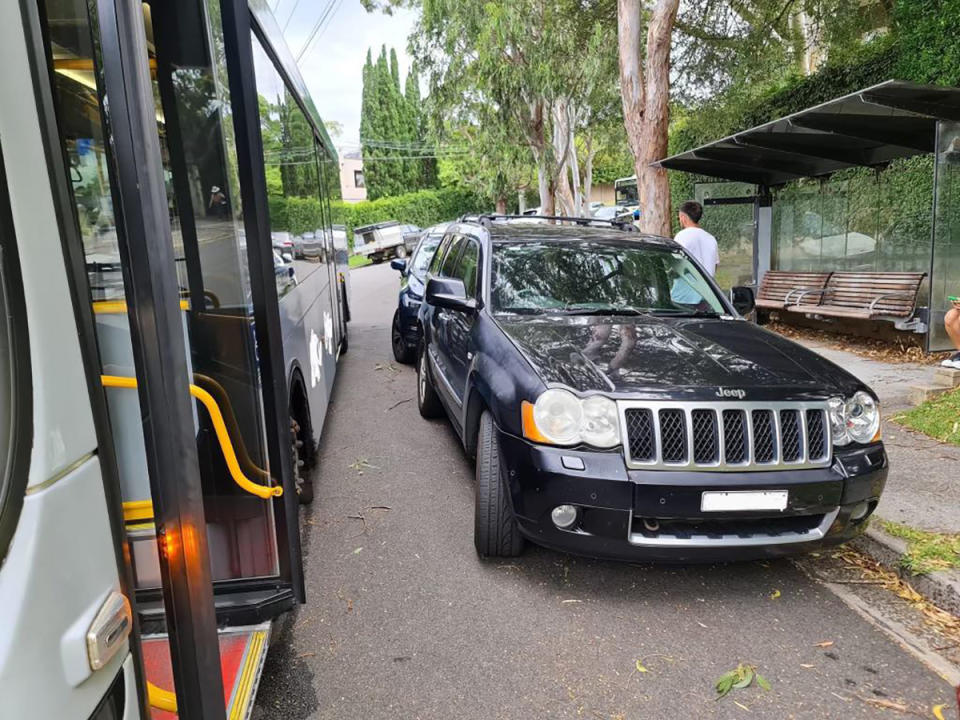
x=868, y=128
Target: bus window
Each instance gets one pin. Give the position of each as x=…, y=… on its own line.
x=298, y=206
x=16, y=425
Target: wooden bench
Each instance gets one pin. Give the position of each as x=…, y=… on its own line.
x=781, y=288
x=863, y=296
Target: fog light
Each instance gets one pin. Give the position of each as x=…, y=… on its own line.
x=564, y=516
x=859, y=511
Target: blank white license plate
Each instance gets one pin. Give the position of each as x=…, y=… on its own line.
x=721, y=501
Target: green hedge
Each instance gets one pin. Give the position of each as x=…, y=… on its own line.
x=423, y=208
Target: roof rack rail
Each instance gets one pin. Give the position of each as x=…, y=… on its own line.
x=486, y=219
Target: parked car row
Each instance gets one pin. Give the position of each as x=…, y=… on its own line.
x=610, y=415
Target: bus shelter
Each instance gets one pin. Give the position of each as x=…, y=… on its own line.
x=869, y=181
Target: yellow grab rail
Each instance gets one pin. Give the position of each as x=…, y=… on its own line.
x=219, y=426
x=161, y=699
x=230, y=417
x=119, y=307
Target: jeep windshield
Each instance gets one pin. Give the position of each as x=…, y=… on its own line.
x=595, y=278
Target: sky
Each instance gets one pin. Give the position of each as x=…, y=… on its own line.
x=333, y=66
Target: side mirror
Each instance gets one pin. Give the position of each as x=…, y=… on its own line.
x=291, y=272
x=399, y=264
x=287, y=257
x=450, y=294
x=742, y=299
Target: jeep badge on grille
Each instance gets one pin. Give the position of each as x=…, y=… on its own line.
x=731, y=393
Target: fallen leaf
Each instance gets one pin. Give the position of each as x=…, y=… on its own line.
x=564, y=602
x=741, y=705
x=938, y=711
x=702, y=625
x=762, y=682
x=641, y=668
x=805, y=665
x=775, y=594
x=886, y=704
x=358, y=551
x=824, y=644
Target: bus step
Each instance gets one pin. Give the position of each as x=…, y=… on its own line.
x=242, y=653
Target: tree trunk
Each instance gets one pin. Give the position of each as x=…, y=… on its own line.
x=655, y=188
x=588, y=175
x=501, y=205
x=646, y=106
x=561, y=134
x=574, y=164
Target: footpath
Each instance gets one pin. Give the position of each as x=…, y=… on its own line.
x=923, y=487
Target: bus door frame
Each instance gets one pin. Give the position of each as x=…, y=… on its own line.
x=146, y=250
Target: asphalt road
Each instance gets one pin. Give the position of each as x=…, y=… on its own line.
x=404, y=621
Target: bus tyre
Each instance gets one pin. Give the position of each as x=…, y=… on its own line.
x=402, y=352
x=304, y=486
x=495, y=529
x=427, y=399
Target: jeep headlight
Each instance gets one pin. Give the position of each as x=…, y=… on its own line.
x=856, y=419
x=559, y=417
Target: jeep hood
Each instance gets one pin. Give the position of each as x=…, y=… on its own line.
x=684, y=358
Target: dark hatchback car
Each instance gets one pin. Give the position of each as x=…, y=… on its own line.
x=405, y=330
x=619, y=406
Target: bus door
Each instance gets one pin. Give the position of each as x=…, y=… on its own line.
x=172, y=275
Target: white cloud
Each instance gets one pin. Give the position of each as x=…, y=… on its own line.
x=333, y=66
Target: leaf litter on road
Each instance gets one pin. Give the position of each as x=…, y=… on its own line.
x=361, y=464
x=740, y=678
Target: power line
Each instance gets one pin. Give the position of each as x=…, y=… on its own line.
x=321, y=24
x=290, y=17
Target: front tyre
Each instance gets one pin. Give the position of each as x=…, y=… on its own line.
x=495, y=530
x=402, y=352
x=427, y=400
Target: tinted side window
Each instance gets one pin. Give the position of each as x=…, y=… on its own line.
x=439, y=255
x=448, y=268
x=467, y=268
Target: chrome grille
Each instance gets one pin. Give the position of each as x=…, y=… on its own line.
x=728, y=436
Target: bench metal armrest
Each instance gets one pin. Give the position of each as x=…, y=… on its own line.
x=803, y=293
x=878, y=298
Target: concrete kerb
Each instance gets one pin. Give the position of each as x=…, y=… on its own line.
x=941, y=587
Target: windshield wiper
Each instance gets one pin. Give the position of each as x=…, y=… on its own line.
x=609, y=310
x=687, y=313
x=520, y=310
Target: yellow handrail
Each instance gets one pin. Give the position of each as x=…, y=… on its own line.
x=219, y=426
x=119, y=307
x=230, y=417
x=161, y=699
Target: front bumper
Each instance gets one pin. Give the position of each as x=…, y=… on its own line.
x=655, y=515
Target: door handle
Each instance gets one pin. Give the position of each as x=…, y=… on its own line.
x=109, y=630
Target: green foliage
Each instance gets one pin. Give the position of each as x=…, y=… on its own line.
x=939, y=418
x=424, y=208
x=926, y=551
x=393, y=132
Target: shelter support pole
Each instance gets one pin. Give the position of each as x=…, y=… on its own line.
x=763, y=238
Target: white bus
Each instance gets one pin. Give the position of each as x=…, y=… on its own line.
x=625, y=192
x=163, y=377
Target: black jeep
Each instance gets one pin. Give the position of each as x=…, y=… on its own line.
x=618, y=405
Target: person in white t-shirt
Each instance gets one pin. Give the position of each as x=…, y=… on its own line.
x=700, y=244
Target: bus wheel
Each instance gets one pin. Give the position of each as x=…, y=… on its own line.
x=304, y=486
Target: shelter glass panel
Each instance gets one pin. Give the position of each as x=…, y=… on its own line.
x=734, y=227
x=945, y=265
